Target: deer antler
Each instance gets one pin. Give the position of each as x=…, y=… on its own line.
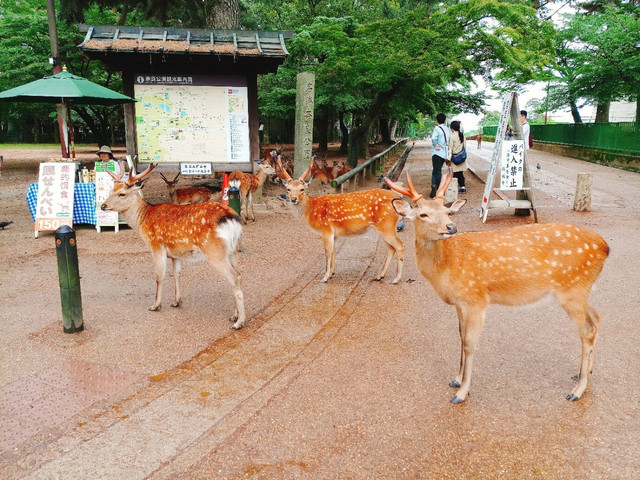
x=164, y=178
x=117, y=178
x=140, y=176
x=408, y=192
x=176, y=179
x=304, y=175
x=286, y=175
x=444, y=183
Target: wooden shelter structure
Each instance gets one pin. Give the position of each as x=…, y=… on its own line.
x=211, y=72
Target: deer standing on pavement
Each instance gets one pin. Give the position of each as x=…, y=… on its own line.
x=348, y=214
x=515, y=266
x=188, y=195
x=248, y=184
x=177, y=231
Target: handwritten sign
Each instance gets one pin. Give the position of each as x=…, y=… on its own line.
x=512, y=165
x=195, y=168
x=104, y=184
x=55, y=196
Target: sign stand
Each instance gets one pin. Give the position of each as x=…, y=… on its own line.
x=55, y=196
x=524, y=202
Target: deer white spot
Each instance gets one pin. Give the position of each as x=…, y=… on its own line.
x=558, y=233
x=586, y=246
x=595, y=246
x=553, y=264
x=556, y=252
x=471, y=283
x=580, y=250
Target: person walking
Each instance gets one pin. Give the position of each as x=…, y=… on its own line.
x=456, y=145
x=440, y=140
x=526, y=129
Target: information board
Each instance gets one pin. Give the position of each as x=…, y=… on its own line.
x=55, y=196
x=195, y=118
x=104, y=185
x=512, y=165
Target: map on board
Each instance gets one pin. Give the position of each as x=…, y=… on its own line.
x=186, y=122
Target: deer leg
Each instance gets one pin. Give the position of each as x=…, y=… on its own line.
x=458, y=380
x=177, y=266
x=253, y=214
x=472, y=320
x=160, y=262
x=333, y=259
x=226, y=267
x=394, y=245
x=329, y=249
x=588, y=322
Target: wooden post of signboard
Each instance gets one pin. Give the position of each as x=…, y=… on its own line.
x=524, y=202
x=131, y=134
x=305, y=90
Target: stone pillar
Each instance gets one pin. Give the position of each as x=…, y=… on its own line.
x=451, y=195
x=305, y=89
x=582, y=201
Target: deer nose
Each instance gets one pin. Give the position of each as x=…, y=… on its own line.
x=452, y=229
x=103, y=207
x=294, y=200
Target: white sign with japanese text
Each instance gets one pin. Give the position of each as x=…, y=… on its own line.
x=104, y=184
x=512, y=165
x=55, y=196
x=195, y=168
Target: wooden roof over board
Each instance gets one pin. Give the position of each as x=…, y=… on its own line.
x=123, y=46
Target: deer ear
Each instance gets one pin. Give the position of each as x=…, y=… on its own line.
x=456, y=206
x=402, y=208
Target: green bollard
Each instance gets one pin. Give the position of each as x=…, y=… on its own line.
x=234, y=199
x=69, y=278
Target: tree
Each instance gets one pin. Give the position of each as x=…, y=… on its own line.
x=222, y=14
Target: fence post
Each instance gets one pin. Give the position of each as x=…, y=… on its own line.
x=582, y=201
x=69, y=279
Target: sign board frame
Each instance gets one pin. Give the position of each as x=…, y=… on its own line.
x=56, y=188
x=524, y=202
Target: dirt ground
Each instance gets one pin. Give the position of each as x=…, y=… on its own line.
x=343, y=380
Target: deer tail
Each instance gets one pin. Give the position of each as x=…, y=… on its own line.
x=229, y=230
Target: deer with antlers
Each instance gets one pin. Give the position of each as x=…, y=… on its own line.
x=248, y=184
x=348, y=214
x=515, y=266
x=177, y=231
x=188, y=195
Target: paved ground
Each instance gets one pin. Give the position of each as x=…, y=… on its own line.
x=344, y=380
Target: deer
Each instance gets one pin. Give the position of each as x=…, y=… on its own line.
x=177, y=232
x=248, y=184
x=319, y=173
x=189, y=195
x=514, y=266
x=348, y=214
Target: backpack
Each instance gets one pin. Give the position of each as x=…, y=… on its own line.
x=530, y=139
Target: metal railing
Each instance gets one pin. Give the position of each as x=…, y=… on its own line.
x=367, y=168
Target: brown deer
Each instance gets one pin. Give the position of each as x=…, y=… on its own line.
x=177, y=231
x=319, y=173
x=248, y=184
x=514, y=266
x=348, y=214
x=188, y=195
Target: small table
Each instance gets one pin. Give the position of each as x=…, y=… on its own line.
x=84, y=202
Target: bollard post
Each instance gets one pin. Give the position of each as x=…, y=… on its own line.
x=69, y=279
x=234, y=199
x=451, y=195
x=582, y=201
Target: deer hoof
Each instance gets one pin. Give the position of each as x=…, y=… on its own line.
x=395, y=282
x=177, y=304
x=235, y=326
x=456, y=400
x=572, y=398
x=154, y=308
x=455, y=384
x=377, y=279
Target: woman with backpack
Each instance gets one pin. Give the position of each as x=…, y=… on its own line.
x=457, y=154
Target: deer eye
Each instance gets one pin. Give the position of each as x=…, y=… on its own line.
x=121, y=195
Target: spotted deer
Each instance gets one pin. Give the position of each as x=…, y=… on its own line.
x=188, y=195
x=514, y=266
x=178, y=231
x=248, y=184
x=348, y=214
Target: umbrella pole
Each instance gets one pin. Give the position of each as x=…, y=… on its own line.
x=70, y=121
x=61, y=128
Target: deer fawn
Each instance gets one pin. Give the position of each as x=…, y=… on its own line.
x=348, y=214
x=515, y=266
x=177, y=231
x=189, y=195
x=248, y=184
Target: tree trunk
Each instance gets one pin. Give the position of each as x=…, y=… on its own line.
x=394, y=128
x=638, y=108
x=222, y=14
x=323, y=129
x=362, y=130
x=602, y=112
x=575, y=113
x=345, y=134
x=384, y=130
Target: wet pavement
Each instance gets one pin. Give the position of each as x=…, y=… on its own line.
x=341, y=380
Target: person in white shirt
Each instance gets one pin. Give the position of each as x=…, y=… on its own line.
x=440, y=142
x=526, y=128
